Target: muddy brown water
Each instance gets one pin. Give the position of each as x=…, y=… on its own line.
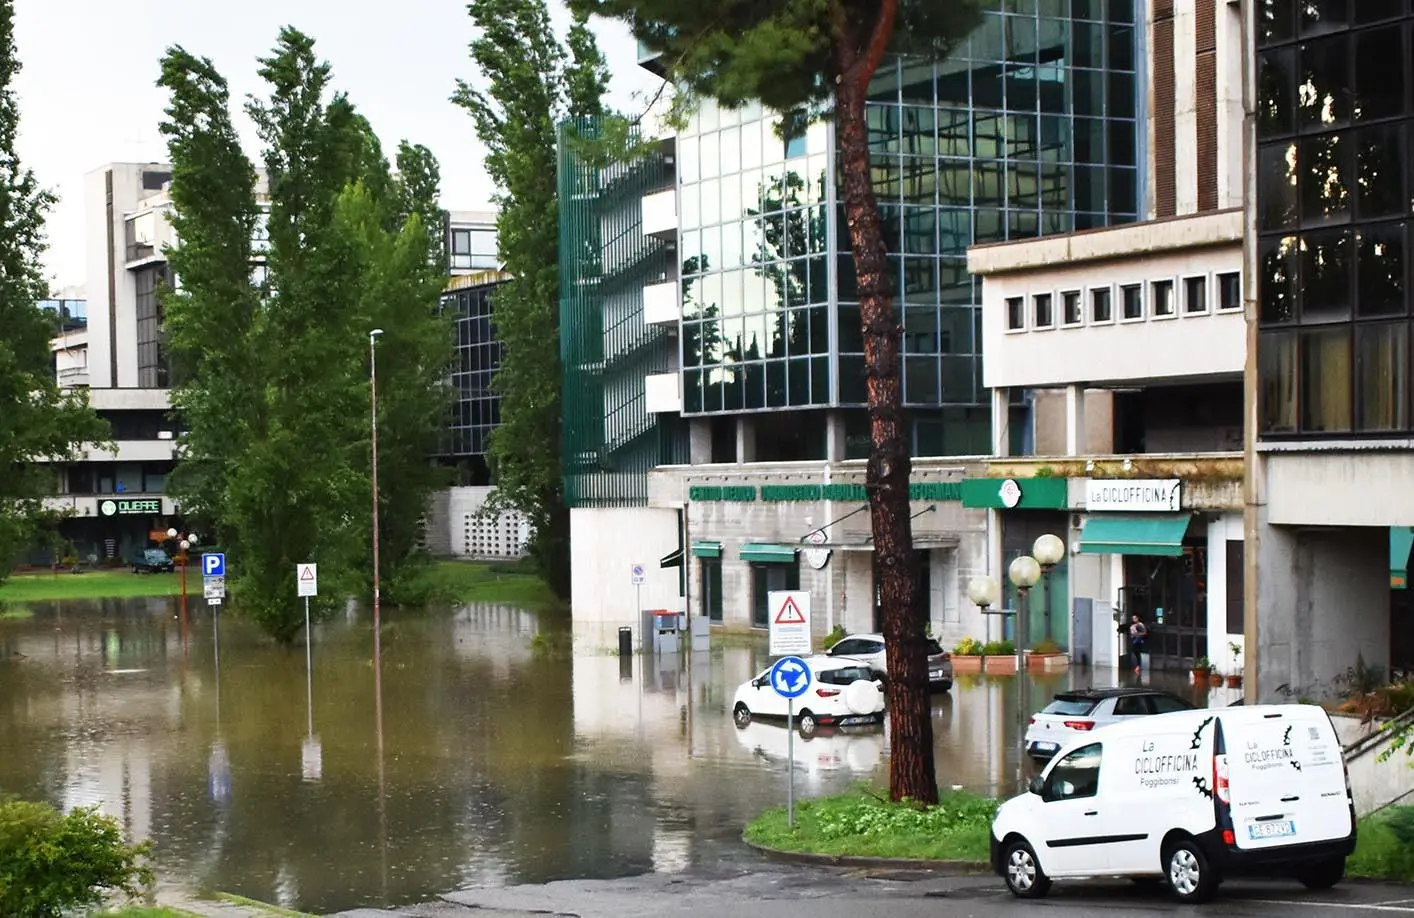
x=483, y=762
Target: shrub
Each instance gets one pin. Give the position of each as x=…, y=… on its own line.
x=968, y=647
x=1046, y=646
x=52, y=863
x=999, y=649
x=836, y=635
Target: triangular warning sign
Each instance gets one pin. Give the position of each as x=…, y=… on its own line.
x=306, y=573
x=790, y=613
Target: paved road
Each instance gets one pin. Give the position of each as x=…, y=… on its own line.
x=808, y=892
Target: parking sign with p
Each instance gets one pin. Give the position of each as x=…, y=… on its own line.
x=213, y=564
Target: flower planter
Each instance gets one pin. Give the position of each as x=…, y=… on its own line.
x=1046, y=662
x=1003, y=665
x=1215, y=678
x=1234, y=681
x=966, y=664
x=1200, y=676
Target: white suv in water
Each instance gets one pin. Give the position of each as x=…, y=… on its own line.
x=842, y=693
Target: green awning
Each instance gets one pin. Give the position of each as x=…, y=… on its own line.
x=1401, y=539
x=672, y=559
x=707, y=549
x=765, y=553
x=1135, y=534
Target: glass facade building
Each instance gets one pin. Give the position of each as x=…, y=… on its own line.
x=476, y=409
x=1030, y=127
x=1334, y=117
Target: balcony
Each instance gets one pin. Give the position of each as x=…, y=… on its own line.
x=1211, y=481
x=660, y=213
x=660, y=304
x=1128, y=306
x=134, y=451
x=73, y=377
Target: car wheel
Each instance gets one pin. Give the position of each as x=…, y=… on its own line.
x=741, y=715
x=807, y=722
x=1189, y=875
x=1322, y=874
x=1023, y=872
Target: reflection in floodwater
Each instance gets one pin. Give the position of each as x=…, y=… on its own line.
x=479, y=762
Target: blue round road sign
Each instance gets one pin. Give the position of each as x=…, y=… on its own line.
x=790, y=677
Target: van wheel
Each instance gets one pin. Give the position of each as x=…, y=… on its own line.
x=1322, y=874
x=1189, y=875
x=1023, y=873
x=741, y=715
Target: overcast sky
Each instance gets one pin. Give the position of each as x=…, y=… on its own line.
x=88, y=93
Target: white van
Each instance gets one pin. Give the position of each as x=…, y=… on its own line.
x=1189, y=798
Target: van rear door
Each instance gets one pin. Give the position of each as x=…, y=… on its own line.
x=1286, y=777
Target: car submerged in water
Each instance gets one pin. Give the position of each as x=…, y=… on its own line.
x=843, y=693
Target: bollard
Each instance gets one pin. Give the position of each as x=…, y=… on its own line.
x=625, y=642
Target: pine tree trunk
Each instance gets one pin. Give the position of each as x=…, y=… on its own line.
x=911, y=769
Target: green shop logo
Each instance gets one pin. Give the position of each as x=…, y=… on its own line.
x=131, y=507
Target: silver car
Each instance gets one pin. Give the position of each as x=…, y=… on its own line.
x=869, y=648
x=1072, y=714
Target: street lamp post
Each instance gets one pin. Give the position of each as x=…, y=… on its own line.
x=187, y=540
x=1023, y=573
x=1048, y=550
x=373, y=392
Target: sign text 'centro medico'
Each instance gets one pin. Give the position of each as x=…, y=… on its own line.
x=1133, y=494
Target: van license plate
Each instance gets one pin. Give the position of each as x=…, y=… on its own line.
x=1275, y=829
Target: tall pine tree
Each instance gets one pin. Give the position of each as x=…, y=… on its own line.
x=39, y=422
x=532, y=83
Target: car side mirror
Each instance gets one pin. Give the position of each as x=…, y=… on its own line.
x=1038, y=784
x=757, y=683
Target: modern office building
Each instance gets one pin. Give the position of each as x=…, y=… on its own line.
x=1032, y=127
x=1330, y=436
x=1136, y=335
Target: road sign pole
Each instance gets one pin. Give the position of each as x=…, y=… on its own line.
x=790, y=763
x=308, y=666
x=647, y=641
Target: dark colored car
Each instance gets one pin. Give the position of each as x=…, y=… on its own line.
x=153, y=561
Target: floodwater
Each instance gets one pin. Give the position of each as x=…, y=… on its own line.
x=466, y=758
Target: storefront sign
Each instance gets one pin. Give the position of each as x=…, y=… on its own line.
x=1133, y=495
x=1010, y=493
x=131, y=507
x=1044, y=493
x=948, y=491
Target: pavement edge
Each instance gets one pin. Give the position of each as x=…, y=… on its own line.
x=957, y=868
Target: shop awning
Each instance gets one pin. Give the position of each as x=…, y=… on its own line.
x=765, y=553
x=672, y=559
x=1135, y=534
x=1401, y=539
x=706, y=549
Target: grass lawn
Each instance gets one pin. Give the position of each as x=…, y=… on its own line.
x=103, y=584
x=142, y=912
x=473, y=581
x=276, y=910
x=1379, y=853
x=863, y=823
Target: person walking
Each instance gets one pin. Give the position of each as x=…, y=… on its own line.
x=1138, y=638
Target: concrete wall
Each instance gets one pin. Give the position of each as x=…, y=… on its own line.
x=605, y=543
x=1227, y=528
x=1049, y=422
x=455, y=514
x=1323, y=601
x=1341, y=488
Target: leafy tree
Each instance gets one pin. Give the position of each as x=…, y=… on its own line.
x=39, y=422
x=532, y=84
x=806, y=58
x=273, y=378
x=51, y=864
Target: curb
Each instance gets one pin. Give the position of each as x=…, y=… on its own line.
x=956, y=868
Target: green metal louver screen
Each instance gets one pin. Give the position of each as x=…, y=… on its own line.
x=611, y=442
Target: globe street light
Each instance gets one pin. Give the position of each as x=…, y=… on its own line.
x=984, y=592
x=1048, y=550
x=1023, y=572
x=186, y=541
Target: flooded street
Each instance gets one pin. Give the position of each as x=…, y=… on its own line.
x=483, y=760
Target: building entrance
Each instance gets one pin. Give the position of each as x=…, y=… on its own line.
x=1171, y=597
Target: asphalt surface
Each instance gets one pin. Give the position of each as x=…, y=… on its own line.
x=779, y=891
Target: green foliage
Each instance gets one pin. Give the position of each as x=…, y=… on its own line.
x=860, y=824
x=968, y=647
x=39, y=422
x=52, y=863
x=273, y=378
x=424, y=582
x=836, y=635
x=1384, y=846
x=531, y=84
x=1046, y=645
x=999, y=649
x=93, y=585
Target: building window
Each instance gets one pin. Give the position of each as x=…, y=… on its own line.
x=1132, y=299
x=1101, y=309
x=1229, y=291
x=1162, y=293
x=473, y=249
x=1043, y=311
x=1015, y=313
x=1070, y=306
x=1195, y=295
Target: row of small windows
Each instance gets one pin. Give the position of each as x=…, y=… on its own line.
x=1068, y=307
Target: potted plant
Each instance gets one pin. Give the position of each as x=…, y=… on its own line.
x=1046, y=656
x=999, y=657
x=1202, y=669
x=1234, y=678
x=967, y=656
